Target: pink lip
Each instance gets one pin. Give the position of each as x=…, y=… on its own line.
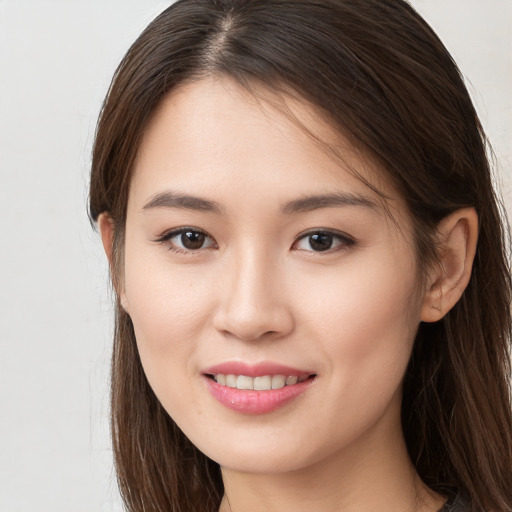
x=255, y=370
x=250, y=401
x=255, y=402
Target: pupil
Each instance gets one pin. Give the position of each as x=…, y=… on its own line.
x=192, y=240
x=320, y=241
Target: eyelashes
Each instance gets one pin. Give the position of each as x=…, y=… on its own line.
x=184, y=240
x=323, y=241
x=191, y=240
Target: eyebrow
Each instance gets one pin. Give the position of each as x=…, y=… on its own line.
x=171, y=199
x=316, y=202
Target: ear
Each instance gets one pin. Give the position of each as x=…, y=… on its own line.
x=106, y=227
x=457, y=236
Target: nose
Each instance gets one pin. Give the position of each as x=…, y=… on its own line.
x=253, y=300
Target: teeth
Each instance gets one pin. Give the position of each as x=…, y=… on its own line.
x=263, y=383
x=278, y=381
x=231, y=381
x=243, y=382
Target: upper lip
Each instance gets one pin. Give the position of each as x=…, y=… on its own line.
x=255, y=370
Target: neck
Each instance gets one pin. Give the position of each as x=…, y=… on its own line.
x=367, y=476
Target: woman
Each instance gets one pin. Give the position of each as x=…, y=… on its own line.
x=309, y=265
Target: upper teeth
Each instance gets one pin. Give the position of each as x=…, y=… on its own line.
x=262, y=383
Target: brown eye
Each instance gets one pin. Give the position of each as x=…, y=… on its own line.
x=323, y=241
x=185, y=240
x=320, y=242
x=192, y=240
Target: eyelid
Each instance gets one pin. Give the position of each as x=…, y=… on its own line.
x=347, y=240
x=167, y=236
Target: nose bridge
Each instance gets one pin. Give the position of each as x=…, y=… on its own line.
x=253, y=286
x=253, y=303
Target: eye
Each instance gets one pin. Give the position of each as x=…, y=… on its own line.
x=187, y=240
x=323, y=241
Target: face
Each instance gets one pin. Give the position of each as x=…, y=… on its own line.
x=274, y=300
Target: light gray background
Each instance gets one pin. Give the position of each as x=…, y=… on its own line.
x=56, y=60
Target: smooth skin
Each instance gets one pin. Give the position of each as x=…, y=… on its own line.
x=328, y=285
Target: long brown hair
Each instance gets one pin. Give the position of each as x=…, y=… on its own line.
x=379, y=73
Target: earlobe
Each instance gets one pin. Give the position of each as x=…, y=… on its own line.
x=106, y=228
x=457, y=237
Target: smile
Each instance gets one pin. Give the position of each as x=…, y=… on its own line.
x=267, y=387
x=262, y=383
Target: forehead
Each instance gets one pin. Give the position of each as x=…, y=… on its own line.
x=213, y=136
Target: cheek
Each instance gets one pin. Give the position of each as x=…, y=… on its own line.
x=363, y=335
x=169, y=311
x=365, y=319
x=169, y=314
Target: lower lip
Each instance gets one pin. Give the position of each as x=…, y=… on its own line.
x=248, y=401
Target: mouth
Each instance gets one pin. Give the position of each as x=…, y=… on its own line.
x=256, y=389
x=259, y=383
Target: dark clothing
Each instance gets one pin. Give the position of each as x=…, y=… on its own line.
x=455, y=503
